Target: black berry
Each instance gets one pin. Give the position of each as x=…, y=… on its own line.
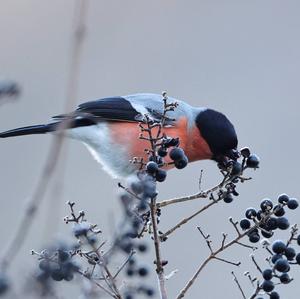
x=245, y=224
x=282, y=265
x=250, y=213
x=182, y=163
x=266, y=205
x=267, y=286
x=283, y=223
x=267, y=274
x=176, y=154
x=285, y=278
x=293, y=204
x=278, y=247
x=161, y=175
x=283, y=198
x=252, y=161
x=151, y=167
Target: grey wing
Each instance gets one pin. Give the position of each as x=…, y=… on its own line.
x=153, y=105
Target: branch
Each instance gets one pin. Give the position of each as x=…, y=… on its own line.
x=238, y=284
x=187, y=219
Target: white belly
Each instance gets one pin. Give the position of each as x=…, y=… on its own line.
x=113, y=157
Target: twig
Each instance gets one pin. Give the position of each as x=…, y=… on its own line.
x=159, y=267
x=255, y=263
x=238, y=284
x=187, y=219
x=212, y=256
x=124, y=264
x=198, y=195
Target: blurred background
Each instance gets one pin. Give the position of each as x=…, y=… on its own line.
x=239, y=57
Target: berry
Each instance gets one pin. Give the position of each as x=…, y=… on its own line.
x=130, y=271
x=228, y=198
x=63, y=255
x=285, y=278
x=57, y=275
x=182, y=163
x=236, y=168
x=266, y=205
x=172, y=142
x=44, y=265
x=176, y=154
x=149, y=292
x=250, y=213
x=268, y=286
x=137, y=187
x=128, y=296
x=143, y=271
x=161, y=175
x=150, y=188
x=267, y=274
x=162, y=151
x=271, y=223
x=283, y=198
x=298, y=258
x=293, y=204
x=278, y=247
x=81, y=229
x=142, y=247
x=245, y=224
x=276, y=257
x=245, y=152
x=282, y=265
x=267, y=234
x=283, y=223
x=69, y=276
x=278, y=211
x=290, y=253
x=254, y=237
x=252, y=161
x=151, y=167
x=259, y=214
x=274, y=295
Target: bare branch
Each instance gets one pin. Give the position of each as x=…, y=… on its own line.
x=238, y=285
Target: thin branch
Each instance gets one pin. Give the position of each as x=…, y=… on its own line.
x=187, y=219
x=212, y=256
x=227, y=261
x=159, y=267
x=238, y=285
x=124, y=264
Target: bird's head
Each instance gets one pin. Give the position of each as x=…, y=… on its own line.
x=220, y=135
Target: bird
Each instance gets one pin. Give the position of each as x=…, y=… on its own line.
x=110, y=129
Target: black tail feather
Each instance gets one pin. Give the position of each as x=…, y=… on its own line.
x=42, y=129
x=37, y=129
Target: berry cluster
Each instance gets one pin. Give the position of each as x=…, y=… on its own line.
x=268, y=218
x=283, y=255
x=232, y=170
x=266, y=221
x=156, y=161
x=57, y=264
x=140, y=271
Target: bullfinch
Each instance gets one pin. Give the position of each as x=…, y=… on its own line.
x=109, y=127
